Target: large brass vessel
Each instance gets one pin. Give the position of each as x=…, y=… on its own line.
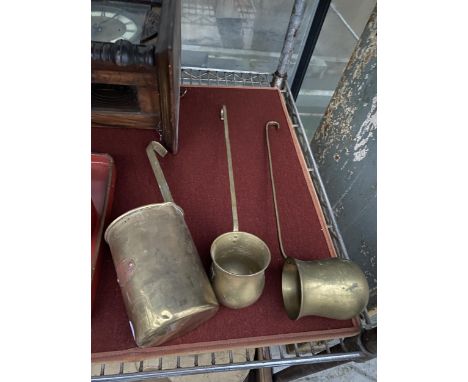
x=164, y=285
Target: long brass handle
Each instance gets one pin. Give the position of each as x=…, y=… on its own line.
x=153, y=147
x=235, y=220
x=278, y=227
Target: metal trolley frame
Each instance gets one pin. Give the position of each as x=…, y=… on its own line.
x=332, y=351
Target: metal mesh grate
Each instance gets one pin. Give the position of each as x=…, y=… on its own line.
x=211, y=77
x=305, y=353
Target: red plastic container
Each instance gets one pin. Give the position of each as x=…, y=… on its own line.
x=102, y=194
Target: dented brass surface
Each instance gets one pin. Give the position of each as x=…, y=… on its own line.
x=334, y=288
x=164, y=286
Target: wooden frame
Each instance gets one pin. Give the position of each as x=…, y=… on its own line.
x=157, y=84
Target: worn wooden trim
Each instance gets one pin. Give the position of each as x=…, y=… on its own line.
x=167, y=58
x=101, y=65
x=148, y=100
x=124, y=119
x=169, y=12
x=125, y=78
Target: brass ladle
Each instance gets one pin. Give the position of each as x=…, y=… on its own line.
x=239, y=258
x=333, y=288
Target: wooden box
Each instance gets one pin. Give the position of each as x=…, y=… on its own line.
x=137, y=84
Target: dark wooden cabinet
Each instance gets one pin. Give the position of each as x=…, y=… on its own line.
x=136, y=84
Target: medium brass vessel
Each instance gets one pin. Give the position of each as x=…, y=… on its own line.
x=334, y=288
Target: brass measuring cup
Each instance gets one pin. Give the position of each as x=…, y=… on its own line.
x=239, y=258
x=334, y=288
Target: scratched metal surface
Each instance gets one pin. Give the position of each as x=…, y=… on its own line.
x=345, y=148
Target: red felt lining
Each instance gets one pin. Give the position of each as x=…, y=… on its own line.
x=198, y=179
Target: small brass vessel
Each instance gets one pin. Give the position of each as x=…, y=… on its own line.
x=238, y=269
x=239, y=258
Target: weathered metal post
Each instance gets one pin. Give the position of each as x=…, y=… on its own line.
x=345, y=148
x=294, y=23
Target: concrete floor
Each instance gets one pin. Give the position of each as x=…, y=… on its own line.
x=350, y=372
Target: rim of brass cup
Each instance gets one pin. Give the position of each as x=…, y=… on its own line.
x=334, y=287
x=239, y=258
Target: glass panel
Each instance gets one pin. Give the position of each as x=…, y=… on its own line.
x=238, y=34
x=114, y=20
x=341, y=29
